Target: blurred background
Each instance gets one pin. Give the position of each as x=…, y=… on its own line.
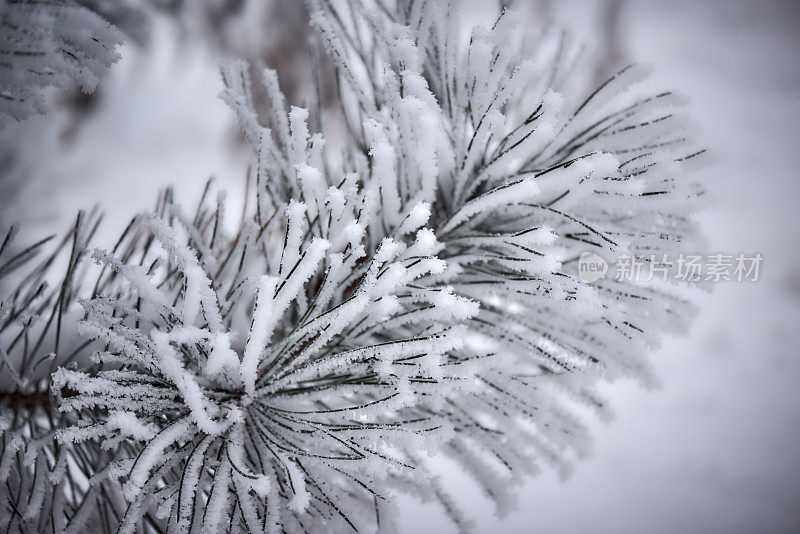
x=716, y=448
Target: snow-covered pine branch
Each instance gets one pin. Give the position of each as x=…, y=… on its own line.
x=405, y=282
x=57, y=43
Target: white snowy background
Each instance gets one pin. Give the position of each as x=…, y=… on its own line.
x=717, y=447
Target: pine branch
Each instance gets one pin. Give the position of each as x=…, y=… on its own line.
x=414, y=289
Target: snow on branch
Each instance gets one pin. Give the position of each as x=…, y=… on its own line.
x=404, y=284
